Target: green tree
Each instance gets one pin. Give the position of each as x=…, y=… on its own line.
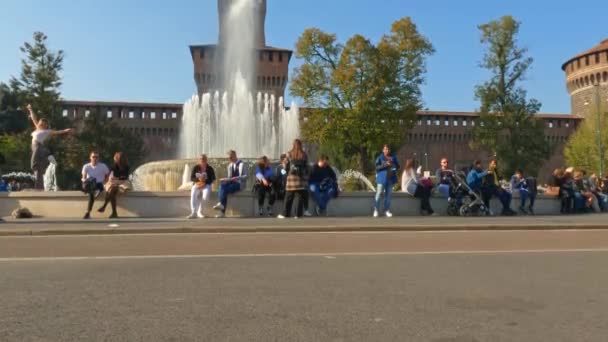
x=582, y=150
x=360, y=95
x=40, y=79
x=12, y=119
x=508, y=126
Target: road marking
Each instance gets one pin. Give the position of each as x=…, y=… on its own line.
x=219, y=256
x=376, y=232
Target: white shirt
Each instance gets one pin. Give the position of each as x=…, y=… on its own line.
x=40, y=135
x=409, y=181
x=99, y=172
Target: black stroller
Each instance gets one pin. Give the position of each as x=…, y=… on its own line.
x=463, y=200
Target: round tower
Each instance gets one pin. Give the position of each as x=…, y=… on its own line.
x=584, y=73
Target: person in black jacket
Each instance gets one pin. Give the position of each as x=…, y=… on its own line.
x=202, y=176
x=491, y=187
x=322, y=184
x=118, y=182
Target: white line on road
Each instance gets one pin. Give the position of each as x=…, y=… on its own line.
x=458, y=231
x=324, y=255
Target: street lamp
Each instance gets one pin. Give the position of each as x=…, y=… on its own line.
x=596, y=87
x=426, y=161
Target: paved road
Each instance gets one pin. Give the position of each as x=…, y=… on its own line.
x=54, y=227
x=382, y=286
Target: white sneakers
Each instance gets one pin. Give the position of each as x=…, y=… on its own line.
x=307, y=213
x=193, y=216
x=218, y=206
x=281, y=217
x=387, y=213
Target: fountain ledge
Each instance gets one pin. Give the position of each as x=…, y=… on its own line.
x=72, y=204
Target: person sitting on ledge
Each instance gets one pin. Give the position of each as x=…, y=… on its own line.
x=411, y=184
x=94, y=175
x=491, y=187
x=118, y=182
x=444, y=178
x=235, y=182
x=265, y=185
x=322, y=184
x=527, y=190
x=202, y=177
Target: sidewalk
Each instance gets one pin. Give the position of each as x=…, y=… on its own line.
x=12, y=227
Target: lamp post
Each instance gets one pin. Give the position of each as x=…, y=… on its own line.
x=426, y=161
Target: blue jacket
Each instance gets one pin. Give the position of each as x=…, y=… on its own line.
x=382, y=170
x=474, y=179
x=519, y=184
x=268, y=173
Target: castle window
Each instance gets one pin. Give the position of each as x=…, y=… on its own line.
x=284, y=81
x=567, y=124
x=164, y=115
x=586, y=60
x=550, y=123
x=174, y=115
x=280, y=56
x=464, y=122
x=109, y=114
x=87, y=113
x=428, y=121
x=578, y=63
x=153, y=115
x=270, y=56
x=131, y=115
x=437, y=122
x=597, y=58
x=64, y=113
x=419, y=122
x=446, y=122
x=455, y=122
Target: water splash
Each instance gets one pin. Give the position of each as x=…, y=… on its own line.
x=353, y=174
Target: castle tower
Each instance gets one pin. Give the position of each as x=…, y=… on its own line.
x=583, y=73
x=272, y=64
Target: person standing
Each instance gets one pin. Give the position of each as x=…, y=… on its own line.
x=386, y=176
x=296, y=180
x=322, y=184
x=265, y=185
x=40, y=152
x=94, y=175
x=235, y=182
x=202, y=177
x=118, y=182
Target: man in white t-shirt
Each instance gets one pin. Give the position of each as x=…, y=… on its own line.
x=94, y=175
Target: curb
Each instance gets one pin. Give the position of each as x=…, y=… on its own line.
x=7, y=232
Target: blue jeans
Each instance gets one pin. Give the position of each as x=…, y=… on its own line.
x=227, y=189
x=321, y=197
x=444, y=190
x=524, y=195
x=387, y=189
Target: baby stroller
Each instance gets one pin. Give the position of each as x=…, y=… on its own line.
x=463, y=200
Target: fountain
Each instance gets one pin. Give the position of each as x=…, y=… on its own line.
x=231, y=115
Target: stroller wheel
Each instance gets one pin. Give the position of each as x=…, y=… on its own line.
x=465, y=211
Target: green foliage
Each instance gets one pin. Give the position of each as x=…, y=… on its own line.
x=16, y=151
x=12, y=119
x=508, y=126
x=363, y=95
x=40, y=79
x=582, y=150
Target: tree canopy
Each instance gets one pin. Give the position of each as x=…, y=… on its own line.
x=508, y=126
x=360, y=95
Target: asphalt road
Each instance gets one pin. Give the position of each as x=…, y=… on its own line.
x=391, y=286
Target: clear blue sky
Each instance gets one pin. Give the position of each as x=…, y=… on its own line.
x=138, y=51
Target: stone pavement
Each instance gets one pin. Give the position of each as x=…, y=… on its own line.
x=12, y=227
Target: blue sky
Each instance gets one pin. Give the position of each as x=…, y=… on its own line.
x=138, y=51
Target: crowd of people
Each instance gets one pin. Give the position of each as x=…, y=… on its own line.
x=294, y=179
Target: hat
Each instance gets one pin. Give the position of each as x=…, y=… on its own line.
x=570, y=170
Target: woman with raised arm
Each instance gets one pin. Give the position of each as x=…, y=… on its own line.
x=40, y=152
